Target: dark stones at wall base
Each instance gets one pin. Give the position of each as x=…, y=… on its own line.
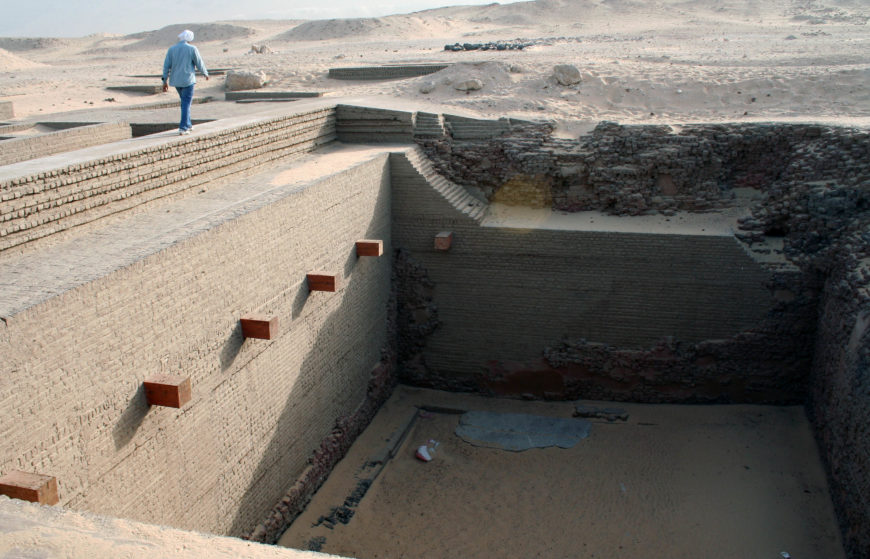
x=631, y=170
x=416, y=315
x=332, y=449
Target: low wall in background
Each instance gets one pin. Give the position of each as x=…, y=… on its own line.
x=14, y=150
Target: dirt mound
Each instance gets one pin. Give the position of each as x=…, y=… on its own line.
x=203, y=32
x=9, y=61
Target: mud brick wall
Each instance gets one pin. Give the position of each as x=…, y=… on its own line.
x=43, y=197
x=368, y=125
x=14, y=150
x=73, y=366
x=506, y=298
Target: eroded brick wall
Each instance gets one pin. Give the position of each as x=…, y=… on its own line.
x=506, y=301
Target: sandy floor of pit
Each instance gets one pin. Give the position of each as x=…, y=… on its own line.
x=672, y=482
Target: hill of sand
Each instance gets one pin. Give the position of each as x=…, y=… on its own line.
x=667, y=61
x=204, y=33
x=9, y=61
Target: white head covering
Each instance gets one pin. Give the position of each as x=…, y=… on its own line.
x=186, y=35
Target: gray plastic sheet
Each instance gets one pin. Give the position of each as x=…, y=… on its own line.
x=519, y=431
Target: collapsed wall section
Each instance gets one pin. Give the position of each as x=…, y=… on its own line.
x=71, y=378
x=594, y=314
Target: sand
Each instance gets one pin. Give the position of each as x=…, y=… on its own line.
x=668, y=61
x=671, y=482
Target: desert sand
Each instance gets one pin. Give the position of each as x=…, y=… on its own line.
x=670, y=482
x=660, y=61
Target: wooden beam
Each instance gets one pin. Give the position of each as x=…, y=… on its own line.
x=260, y=326
x=369, y=247
x=168, y=391
x=443, y=240
x=322, y=281
x=36, y=488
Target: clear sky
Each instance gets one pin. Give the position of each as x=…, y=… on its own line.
x=77, y=18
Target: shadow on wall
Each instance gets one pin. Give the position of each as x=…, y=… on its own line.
x=321, y=370
x=132, y=418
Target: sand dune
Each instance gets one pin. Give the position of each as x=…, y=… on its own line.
x=9, y=61
x=204, y=33
x=392, y=26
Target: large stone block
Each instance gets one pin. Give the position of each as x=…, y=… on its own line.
x=240, y=81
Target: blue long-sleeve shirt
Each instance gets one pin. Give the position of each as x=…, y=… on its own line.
x=182, y=61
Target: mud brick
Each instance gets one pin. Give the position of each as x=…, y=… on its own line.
x=443, y=240
x=369, y=247
x=36, y=488
x=260, y=326
x=322, y=281
x=168, y=391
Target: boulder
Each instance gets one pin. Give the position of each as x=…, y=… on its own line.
x=241, y=80
x=427, y=87
x=472, y=84
x=566, y=74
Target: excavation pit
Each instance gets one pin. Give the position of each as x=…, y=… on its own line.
x=632, y=264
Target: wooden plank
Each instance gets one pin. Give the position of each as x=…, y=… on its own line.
x=369, y=247
x=444, y=240
x=27, y=486
x=168, y=391
x=259, y=326
x=323, y=281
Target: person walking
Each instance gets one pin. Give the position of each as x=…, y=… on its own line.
x=179, y=71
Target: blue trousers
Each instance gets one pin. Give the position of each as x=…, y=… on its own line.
x=186, y=94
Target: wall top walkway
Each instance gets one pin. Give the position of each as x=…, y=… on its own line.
x=29, y=278
x=225, y=118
